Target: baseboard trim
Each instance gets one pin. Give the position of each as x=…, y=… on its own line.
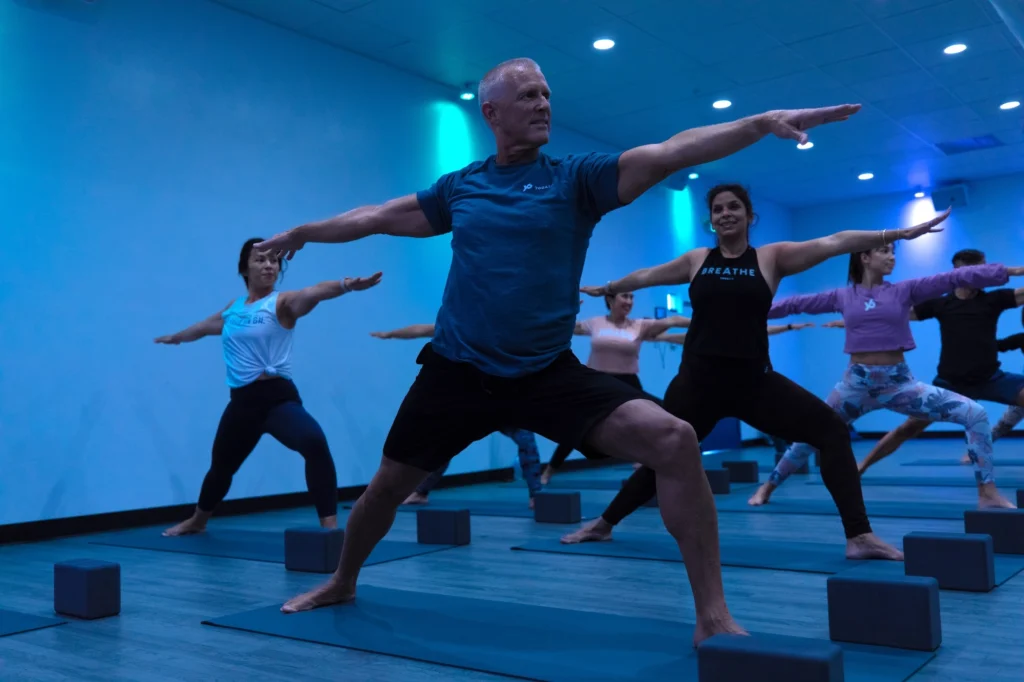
x=875, y=435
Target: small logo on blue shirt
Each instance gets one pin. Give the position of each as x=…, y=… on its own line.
x=530, y=186
x=869, y=304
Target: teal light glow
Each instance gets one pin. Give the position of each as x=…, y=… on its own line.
x=454, y=137
x=685, y=222
x=673, y=302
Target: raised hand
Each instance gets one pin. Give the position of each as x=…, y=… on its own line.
x=595, y=291
x=285, y=244
x=169, y=339
x=381, y=335
x=835, y=324
x=791, y=124
x=361, y=283
x=926, y=227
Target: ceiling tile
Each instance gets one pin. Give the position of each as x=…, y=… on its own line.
x=849, y=43
x=879, y=9
x=978, y=41
x=799, y=21
x=896, y=85
x=927, y=101
x=935, y=21
x=871, y=67
x=770, y=64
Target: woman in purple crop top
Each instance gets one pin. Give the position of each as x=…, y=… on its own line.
x=877, y=318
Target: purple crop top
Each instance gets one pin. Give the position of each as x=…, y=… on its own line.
x=878, y=319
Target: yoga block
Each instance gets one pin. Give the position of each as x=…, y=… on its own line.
x=768, y=658
x=313, y=550
x=86, y=588
x=442, y=526
x=560, y=507
x=1006, y=526
x=743, y=471
x=719, y=480
x=900, y=612
x=1020, y=497
x=958, y=561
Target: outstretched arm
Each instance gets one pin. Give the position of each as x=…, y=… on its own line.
x=678, y=271
x=1013, y=342
x=643, y=167
x=413, y=331
x=211, y=326
x=656, y=328
x=291, y=305
x=790, y=258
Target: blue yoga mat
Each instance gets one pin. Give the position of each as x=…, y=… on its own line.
x=878, y=508
x=12, y=622
x=1006, y=565
x=245, y=544
x=806, y=557
x=570, y=483
x=955, y=462
x=966, y=480
x=516, y=509
x=530, y=642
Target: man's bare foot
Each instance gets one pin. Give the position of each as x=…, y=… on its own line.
x=762, y=495
x=989, y=497
x=189, y=527
x=331, y=592
x=598, y=530
x=545, y=476
x=870, y=546
x=722, y=626
x=416, y=498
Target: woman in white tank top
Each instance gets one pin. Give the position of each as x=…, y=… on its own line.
x=256, y=331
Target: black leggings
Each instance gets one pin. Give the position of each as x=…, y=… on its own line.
x=707, y=390
x=270, y=406
x=563, y=451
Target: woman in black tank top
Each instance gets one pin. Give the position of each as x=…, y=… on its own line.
x=726, y=371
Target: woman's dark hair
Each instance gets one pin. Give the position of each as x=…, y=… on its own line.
x=243, y=259
x=855, y=273
x=741, y=193
x=968, y=257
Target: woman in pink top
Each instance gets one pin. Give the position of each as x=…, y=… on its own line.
x=615, y=342
x=877, y=318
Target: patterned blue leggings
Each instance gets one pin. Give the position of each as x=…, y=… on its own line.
x=529, y=462
x=865, y=388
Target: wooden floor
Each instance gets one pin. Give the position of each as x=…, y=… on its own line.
x=165, y=596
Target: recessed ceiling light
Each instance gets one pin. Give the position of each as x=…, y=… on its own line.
x=1009, y=105
x=722, y=104
x=693, y=176
x=919, y=195
x=865, y=176
x=805, y=145
x=604, y=44
x=467, y=96
x=956, y=48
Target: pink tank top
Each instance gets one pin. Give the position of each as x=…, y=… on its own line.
x=615, y=350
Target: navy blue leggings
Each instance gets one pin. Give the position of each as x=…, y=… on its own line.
x=270, y=406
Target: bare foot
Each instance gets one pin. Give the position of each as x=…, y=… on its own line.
x=331, y=592
x=966, y=459
x=762, y=495
x=189, y=527
x=989, y=497
x=722, y=626
x=870, y=546
x=416, y=498
x=545, y=476
x=598, y=530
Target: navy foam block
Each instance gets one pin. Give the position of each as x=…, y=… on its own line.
x=1020, y=497
x=899, y=612
x=719, y=480
x=959, y=561
x=443, y=526
x=767, y=658
x=87, y=588
x=744, y=471
x=1006, y=526
x=560, y=507
x=313, y=550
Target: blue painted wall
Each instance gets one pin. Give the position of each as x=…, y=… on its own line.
x=993, y=221
x=142, y=146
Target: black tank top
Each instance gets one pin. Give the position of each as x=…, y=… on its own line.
x=730, y=300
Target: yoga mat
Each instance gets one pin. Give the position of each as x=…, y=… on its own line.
x=966, y=480
x=12, y=622
x=955, y=461
x=805, y=557
x=569, y=483
x=530, y=642
x=245, y=544
x=508, y=508
x=1006, y=565
x=878, y=508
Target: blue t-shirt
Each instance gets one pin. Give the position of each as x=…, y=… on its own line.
x=520, y=235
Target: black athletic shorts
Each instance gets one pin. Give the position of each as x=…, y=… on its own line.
x=453, y=404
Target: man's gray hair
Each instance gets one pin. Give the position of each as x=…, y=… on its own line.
x=492, y=80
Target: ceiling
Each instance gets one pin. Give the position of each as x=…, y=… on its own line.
x=673, y=58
